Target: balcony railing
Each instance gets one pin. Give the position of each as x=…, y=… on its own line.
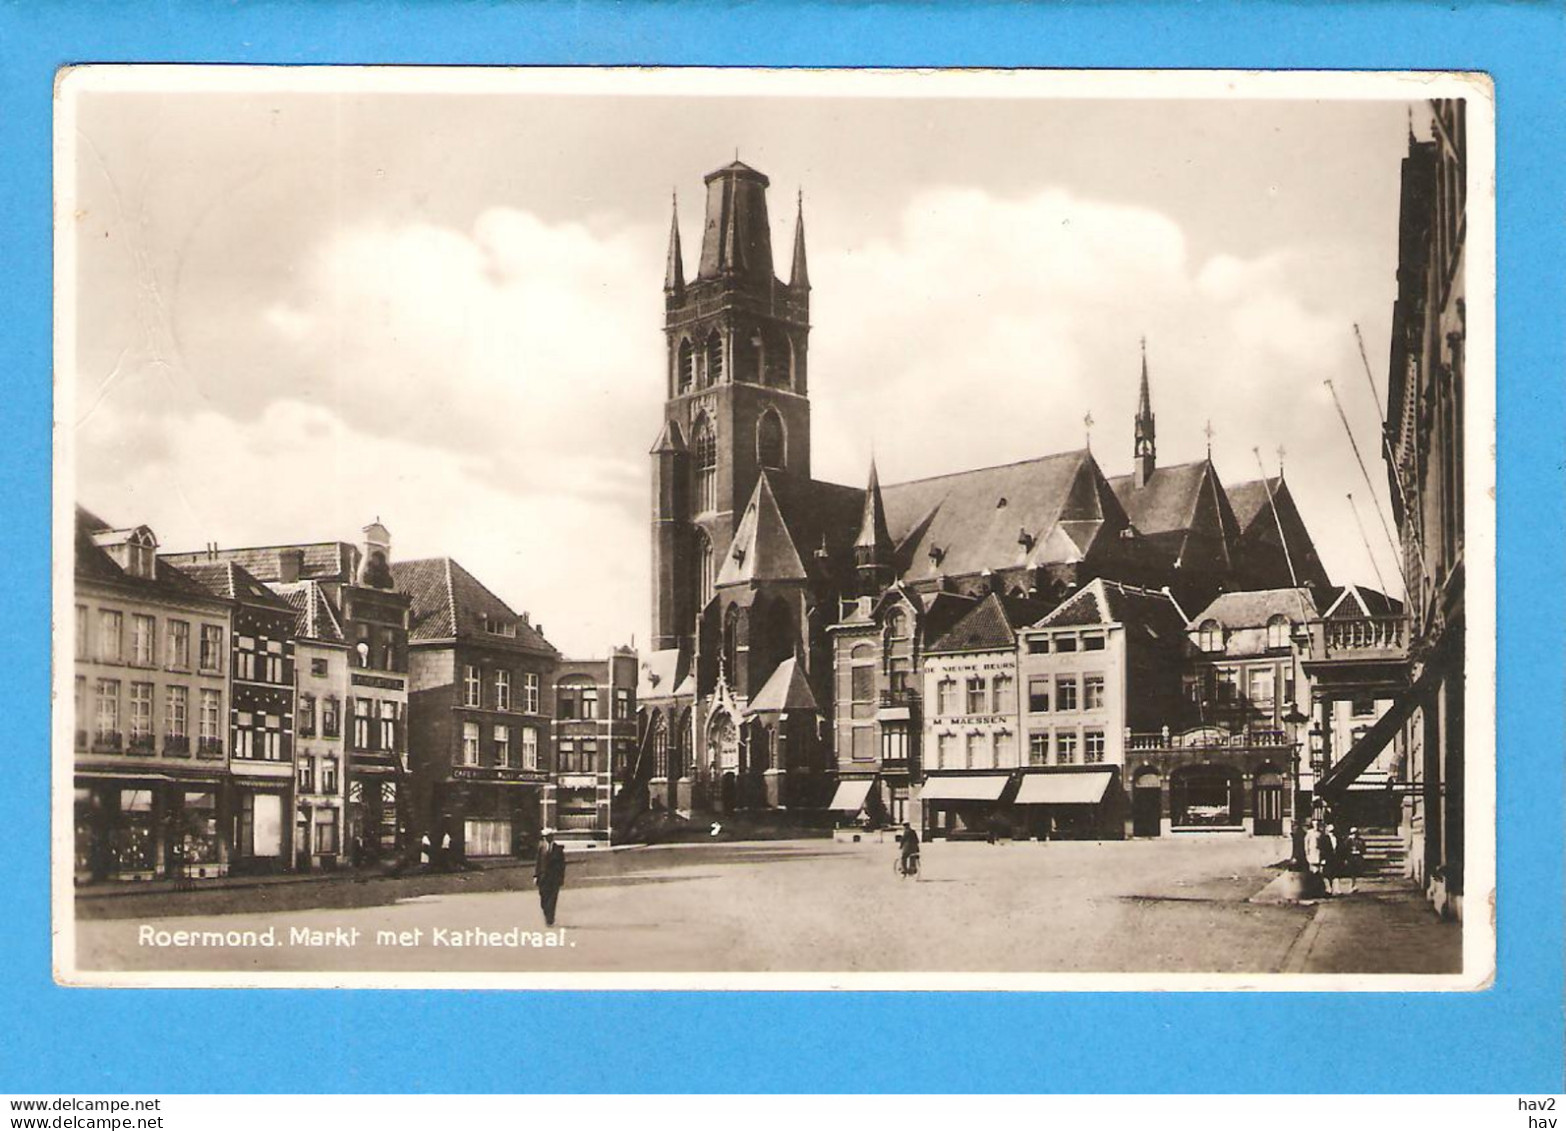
x=143, y=743
x=906, y=697
x=177, y=745
x=1206, y=738
x=1360, y=638
x=209, y=748
x=108, y=742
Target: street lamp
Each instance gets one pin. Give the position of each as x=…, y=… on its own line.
x=1293, y=719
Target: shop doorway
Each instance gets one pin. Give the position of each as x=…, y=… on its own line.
x=1269, y=803
x=1205, y=796
x=1147, y=805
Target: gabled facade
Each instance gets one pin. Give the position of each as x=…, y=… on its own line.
x=151, y=711
x=595, y=744
x=481, y=698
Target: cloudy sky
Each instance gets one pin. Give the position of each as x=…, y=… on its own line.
x=297, y=312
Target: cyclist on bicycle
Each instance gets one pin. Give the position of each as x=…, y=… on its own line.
x=908, y=843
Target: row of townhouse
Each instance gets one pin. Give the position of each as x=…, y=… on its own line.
x=318, y=704
x=1111, y=714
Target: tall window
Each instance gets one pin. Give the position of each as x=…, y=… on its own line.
x=1005, y=749
x=143, y=636
x=704, y=449
x=1092, y=692
x=1228, y=684
x=1038, y=748
x=660, y=745
x=567, y=750
x=326, y=831
x=946, y=697
x=307, y=775
x=108, y=726
x=975, y=695
x=530, y=748
x=1209, y=637
x=862, y=681
x=111, y=636
x=1093, y=747
x=530, y=692
x=141, y=716
x=974, y=750
x=470, y=744
x=770, y=445
x=1065, y=747
x=1038, y=694
x=211, y=723
x=1261, y=689
x=307, y=715
x=244, y=657
x=1004, y=690
x=1278, y=632
x=244, y=734
x=590, y=763
x=272, y=661
x=211, y=648
x=706, y=574
x=472, y=692
x=272, y=737
x=388, y=727
x=589, y=701
x=943, y=751
x=363, y=711
x=179, y=645
x=714, y=359
x=328, y=775
x=686, y=369
x=502, y=745
x=1066, y=693
x=502, y=691
x=176, y=715
x=622, y=702
x=330, y=717
x=899, y=651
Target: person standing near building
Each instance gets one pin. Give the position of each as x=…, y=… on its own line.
x=1353, y=857
x=549, y=874
x=1318, y=851
x=908, y=849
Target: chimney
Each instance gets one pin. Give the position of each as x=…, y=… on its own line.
x=289, y=563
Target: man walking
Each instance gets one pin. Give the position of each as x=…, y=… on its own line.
x=549, y=874
x=908, y=849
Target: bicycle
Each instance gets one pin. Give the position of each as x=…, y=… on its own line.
x=906, y=866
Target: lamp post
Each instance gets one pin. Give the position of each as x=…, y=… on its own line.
x=1293, y=719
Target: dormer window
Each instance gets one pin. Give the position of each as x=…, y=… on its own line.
x=1209, y=637
x=499, y=626
x=1278, y=629
x=134, y=551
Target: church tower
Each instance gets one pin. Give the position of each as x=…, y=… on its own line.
x=1146, y=454
x=736, y=392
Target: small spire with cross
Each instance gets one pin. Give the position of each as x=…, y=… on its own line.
x=1087, y=424
x=1208, y=432
x=1281, y=453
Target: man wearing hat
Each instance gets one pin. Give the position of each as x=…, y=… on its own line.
x=549, y=874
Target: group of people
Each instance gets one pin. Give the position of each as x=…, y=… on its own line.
x=1334, y=856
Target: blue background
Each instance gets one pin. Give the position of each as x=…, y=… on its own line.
x=1507, y=1039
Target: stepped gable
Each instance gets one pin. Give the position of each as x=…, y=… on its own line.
x=974, y=520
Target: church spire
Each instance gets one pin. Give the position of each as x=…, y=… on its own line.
x=799, y=277
x=674, y=276
x=873, y=547
x=1146, y=453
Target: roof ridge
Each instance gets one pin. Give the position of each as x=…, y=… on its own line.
x=1079, y=452
x=451, y=601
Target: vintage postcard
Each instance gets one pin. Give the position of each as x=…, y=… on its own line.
x=774, y=529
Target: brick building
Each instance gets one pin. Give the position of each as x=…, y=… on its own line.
x=595, y=739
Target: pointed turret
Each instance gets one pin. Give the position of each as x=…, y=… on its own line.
x=799, y=275
x=873, y=548
x=1146, y=454
x=674, y=275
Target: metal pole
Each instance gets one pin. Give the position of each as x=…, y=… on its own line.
x=1273, y=503
x=1387, y=530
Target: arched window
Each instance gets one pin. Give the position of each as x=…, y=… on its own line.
x=899, y=651
x=704, y=446
x=771, y=445
x=687, y=366
x=1278, y=632
x=660, y=744
x=677, y=753
x=714, y=359
x=1209, y=637
x=705, y=573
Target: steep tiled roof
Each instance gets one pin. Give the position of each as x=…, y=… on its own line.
x=314, y=616
x=318, y=560
x=231, y=580
x=93, y=563
x=1053, y=511
x=1253, y=609
x=448, y=601
x=1101, y=601
x=1262, y=549
x=990, y=626
x=1179, y=505
x=786, y=689
x=762, y=549
x=1249, y=500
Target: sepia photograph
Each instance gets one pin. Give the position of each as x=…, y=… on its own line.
x=638, y=528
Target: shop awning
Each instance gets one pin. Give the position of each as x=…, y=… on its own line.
x=1064, y=789
x=971, y=787
x=850, y=795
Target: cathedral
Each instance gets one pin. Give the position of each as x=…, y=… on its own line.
x=761, y=573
